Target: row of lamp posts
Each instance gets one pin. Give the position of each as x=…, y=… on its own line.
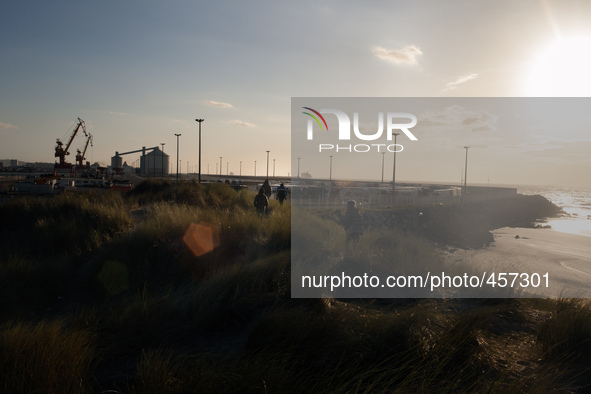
x=255, y=162
x=227, y=163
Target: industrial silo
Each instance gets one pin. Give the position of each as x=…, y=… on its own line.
x=116, y=161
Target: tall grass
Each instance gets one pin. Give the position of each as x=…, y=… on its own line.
x=47, y=357
x=213, y=195
x=67, y=224
x=29, y=286
x=566, y=335
x=99, y=293
x=339, y=346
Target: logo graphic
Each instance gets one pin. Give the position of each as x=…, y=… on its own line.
x=316, y=119
x=391, y=121
x=345, y=124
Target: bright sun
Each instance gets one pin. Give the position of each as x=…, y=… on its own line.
x=562, y=70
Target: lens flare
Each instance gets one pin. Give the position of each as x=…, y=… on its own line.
x=202, y=238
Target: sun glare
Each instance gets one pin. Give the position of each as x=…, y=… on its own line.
x=562, y=70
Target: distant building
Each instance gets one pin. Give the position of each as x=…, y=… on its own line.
x=127, y=169
x=154, y=164
x=42, y=166
x=9, y=162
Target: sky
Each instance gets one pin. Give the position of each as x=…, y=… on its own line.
x=509, y=138
x=139, y=72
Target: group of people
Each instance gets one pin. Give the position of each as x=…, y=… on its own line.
x=261, y=201
x=352, y=221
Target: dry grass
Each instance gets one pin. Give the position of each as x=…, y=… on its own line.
x=47, y=357
x=123, y=305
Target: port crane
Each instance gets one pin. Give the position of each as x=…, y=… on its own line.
x=80, y=156
x=62, y=152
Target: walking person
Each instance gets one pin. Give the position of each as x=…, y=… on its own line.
x=267, y=188
x=353, y=223
x=281, y=193
x=261, y=202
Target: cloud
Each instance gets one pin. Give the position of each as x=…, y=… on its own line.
x=456, y=122
x=241, y=123
x=218, y=104
x=485, y=128
x=460, y=80
x=407, y=55
x=7, y=126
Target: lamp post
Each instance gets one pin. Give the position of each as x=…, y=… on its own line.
x=330, y=171
x=268, y=164
x=255, y=168
x=177, y=156
x=298, y=167
x=240, y=169
x=394, y=169
x=383, y=156
x=199, y=120
x=466, y=166
x=221, y=169
x=227, y=168
x=273, y=168
x=162, y=161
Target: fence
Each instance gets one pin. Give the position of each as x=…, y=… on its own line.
x=319, y=197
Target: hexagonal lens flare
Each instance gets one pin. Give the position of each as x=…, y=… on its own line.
x=202, y=238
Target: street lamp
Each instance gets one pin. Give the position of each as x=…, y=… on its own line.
x=330, y=171
x=394, y=169
x=383, y=156
x=177, y=156
x=199, y=120
x=162, y=161
x=221, y=168
x=255, y=168
x=273, y=168
x=268, y=164
x=298, y=167
x=466, y=166
x=241, y=169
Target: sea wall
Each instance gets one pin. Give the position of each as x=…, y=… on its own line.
x=465, y=225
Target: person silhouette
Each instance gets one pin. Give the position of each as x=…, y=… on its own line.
x=281, y=193
x=353, y=223
x=261, y=202
x=267, y=188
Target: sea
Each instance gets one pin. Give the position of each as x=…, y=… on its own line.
x=575, y=203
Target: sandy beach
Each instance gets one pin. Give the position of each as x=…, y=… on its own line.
x=566, y=257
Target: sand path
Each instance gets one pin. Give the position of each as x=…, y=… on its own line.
x=565, y=257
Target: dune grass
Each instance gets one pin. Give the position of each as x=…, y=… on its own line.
x=46, y=357
x=101, y=294
x=565, y=337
